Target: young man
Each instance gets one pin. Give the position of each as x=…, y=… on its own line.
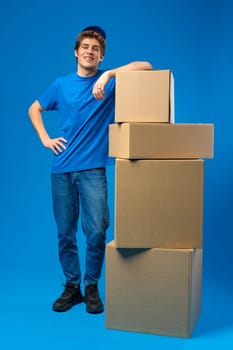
x=85, y=102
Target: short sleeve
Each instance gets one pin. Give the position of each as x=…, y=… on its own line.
x=48, y=99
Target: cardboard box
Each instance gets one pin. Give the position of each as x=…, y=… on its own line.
x=155, y=291
x=145, y=96
x=159, y=203
x=157, y=140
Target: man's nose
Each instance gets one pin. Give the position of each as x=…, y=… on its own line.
x=90, y=49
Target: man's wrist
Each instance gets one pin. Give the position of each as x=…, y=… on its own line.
x=110, y=73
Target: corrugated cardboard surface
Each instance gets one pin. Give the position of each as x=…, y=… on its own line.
x=159, y=203
x=154, y=291
x=145, y=96
x=160, y=140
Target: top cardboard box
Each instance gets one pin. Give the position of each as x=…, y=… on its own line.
x=145, y=96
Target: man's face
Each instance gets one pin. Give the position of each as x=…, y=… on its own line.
x=89, y=54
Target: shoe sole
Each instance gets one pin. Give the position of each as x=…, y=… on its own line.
x=68, y=307
x=94, y=311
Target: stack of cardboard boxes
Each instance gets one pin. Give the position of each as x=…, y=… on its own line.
x=154, y=264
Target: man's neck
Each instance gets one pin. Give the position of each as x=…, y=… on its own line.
x=83, y=72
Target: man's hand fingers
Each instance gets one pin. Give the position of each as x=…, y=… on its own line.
x=60, y=142
x=98, y=92
x=57, y=145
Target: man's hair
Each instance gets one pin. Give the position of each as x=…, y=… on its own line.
x=91, y=34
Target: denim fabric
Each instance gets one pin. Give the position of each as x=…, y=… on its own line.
x=85, y=190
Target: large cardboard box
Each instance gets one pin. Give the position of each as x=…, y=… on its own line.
x=155, y=291
x=159, y=203
x=160, y=140
x=145, y=96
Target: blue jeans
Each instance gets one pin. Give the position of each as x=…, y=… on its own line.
x=85, y=190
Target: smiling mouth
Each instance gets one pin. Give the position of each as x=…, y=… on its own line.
x=89, y=58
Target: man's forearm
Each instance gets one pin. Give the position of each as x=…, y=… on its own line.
x=98, y=89
x=34, y=113
x=137, y=65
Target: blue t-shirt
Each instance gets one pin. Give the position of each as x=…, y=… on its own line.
x=84, y=121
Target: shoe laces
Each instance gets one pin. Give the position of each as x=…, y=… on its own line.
x=69, y=289
x=92, y=291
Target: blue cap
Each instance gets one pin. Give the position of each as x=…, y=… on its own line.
x=96, y=29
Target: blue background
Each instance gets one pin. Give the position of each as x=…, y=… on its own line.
x=193, y=39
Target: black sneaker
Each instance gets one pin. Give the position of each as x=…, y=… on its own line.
x=92, y=299
x=70, y=297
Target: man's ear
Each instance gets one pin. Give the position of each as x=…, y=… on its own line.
x=75, y=54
